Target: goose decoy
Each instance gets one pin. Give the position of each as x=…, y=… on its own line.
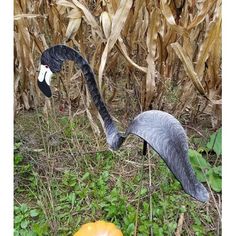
x=159, y=129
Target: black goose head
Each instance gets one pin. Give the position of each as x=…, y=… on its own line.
x=51, y=62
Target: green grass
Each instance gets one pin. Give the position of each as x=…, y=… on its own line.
x=64, y=178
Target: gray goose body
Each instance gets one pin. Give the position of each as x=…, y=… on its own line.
x=159, y=129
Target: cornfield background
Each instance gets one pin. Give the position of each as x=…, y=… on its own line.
x=167, y=54
x=163, y=54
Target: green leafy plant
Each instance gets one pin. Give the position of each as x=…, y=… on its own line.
x=68, y=126
x=214, y=176
x=215, y=142
x=69, y=179
x=24, y=222
x=18, y=157
x=203, y=169
x=200, y=164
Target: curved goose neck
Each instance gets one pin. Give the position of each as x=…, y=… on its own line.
x=95, y=94
x=114, y=138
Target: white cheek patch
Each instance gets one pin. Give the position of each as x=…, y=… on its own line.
x=45, y=74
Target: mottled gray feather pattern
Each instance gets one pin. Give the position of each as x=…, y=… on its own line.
x=167, y=137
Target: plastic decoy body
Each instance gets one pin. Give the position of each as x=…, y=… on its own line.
x=159, y=129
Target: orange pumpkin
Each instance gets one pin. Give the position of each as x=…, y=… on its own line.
x=99, y=228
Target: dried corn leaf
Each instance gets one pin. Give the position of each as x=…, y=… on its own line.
x=38, y=43
x=24, y=33
x=72, y=27
x=216, y=102
x=54, y=21
x=29, y=16
x=19, y=54
x=65, y=3
x=16, y=84
x=137, y=8
x=25, y=101
x=144, y=24
x=17, y=7
x=43, y=40
x=212, y=33
x=207, y=5
x=166, y=11
x=31, y=59
x=152, y=33
x=151, y=42
x=90, y=18
x=102, y=64
x=96, y=55
x=140, y=26
x=150, y=81
x=111, y=6
x=188, y=47
x=105, y=20
x=74, y=23
x=188, y=66
x=115, y=4
x=74, y=14
x=61, y=9
x=118, y=22
x=121, y=46
x=216, y=54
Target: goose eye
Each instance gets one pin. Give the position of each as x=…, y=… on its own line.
x=46, y=66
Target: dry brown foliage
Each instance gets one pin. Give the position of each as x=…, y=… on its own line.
x=166, y=54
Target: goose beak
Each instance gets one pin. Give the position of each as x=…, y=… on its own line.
x=44, y=80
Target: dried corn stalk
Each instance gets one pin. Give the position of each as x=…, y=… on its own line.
x=128, y=44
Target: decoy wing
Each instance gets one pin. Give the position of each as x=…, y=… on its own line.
x=167, y=137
